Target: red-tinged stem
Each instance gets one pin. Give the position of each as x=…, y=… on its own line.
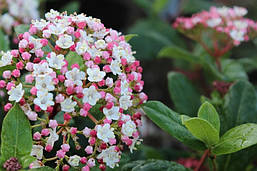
x=205, y=154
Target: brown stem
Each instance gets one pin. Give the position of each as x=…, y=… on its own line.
x=205, y=154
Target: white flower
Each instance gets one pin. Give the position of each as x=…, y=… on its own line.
x=119, y=51
x=57, y=29
x=52, y=15
x=45, y=83
x=128, y=128
x=94, y=52
x=105, y=132
x=52, y=138
x=6, y=58
x=124, y=87
x=44, y=99
x=115, y=67
x=68, y=105
x=237, y=35
x=40, y=24
x=240, y=25
x=82, y=47
x=240, y=11
x=214, y=22
x=74, y=160
x=135, y=141
x=56, y=61
x=91, y=95
x=110, y=156
x=40, y=70
x=65, y=41
x=7, y=22
x=16, y=93
x=112, y=114
x=95, y=75
x=85, y=37
x=36, y=42
x=223, y=11
x=37, y=150
x=125, y=102
x=76, y=76
x=100, y=44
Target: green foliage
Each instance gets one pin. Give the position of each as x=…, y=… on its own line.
x=128, y=37
x=233, y=70
x=18, y=141
x=203, y=130
x=209, y=113
x=4, y=41
x=22, y=28
x=236, y=139
x=74, y=58
x=171, y=122
x=196, y=5
x=8, y=67
x=71, y=7
x=184, y=95
x=27, y=160
x=153, y=165
x=45, y=168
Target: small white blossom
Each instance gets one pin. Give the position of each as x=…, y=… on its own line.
x=82, y=47
x=125, y=102
x=237, y=35
x=240, y=11
x=52, y=138
x=6, y=58
x=44, y=99
x=74, y=160
x=68, y=105
x=100, y=44
x=115, y=67
x=76, y=76
x=37, y=150
x=214, y=22
x=65, y=41
x=129, y=128
x=52, y=15
x=112, y=114
x=57, y=29
x=110, y=156
x=45, y=83
x=95, y=75
x=105, y=132
x=40, y=70
x=91, y=95
x=40, y=24
x=56, y=61
x=16, y=93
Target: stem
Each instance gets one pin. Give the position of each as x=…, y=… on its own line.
x=214, y=168
x=205, y=154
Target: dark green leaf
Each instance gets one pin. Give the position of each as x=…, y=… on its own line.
x=203, y=130
x=170, y=122
x=153, y=165
x=27, y=160
x=233, y=70
x=196, y=6
x=236, y=139
x=184, y=95
x=209, y=113
x=4, y=41
x=8, y=67
x=159, y=5
x=45, y=168
x=18, y=141
x=128, y=37
x=71, y=7
x=22, y=28
x=74, y=58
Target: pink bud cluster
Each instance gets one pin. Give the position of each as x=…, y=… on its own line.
x=224, y=26
x=48, y=81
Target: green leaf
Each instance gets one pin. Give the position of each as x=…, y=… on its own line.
x=4, y=41
x=240, y=106
x=203, y=130
x=209, y=113
x=22, y=28
x=128, y=37
x=189, y=7
x=45, y=168
x=16, y=134
x=74, y=58
x=184, y=95
x=7, y=67
x=236, y=139
x=153, y=165
x=71, y=7
x=170, y=122
x=159, y=5
x=27, y=160
x=233, y=70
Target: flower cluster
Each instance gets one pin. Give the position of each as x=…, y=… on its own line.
x=15, y=12
x=224, y=26
x=72, y=66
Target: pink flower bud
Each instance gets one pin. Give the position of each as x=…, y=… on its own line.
x=7, y=74
x=83, y=112
x=10, y=85
x=16, y=73
x=39, y=53
x=112, y=141
x=45, y=132
x=26, y=56
x=85, y=168
x=7, y=107
x=15, y=53
x=44, y=42
x=89, y=149
x=29, y=78
x=48, y=148
x=36, y=136
x=83, y=160
x=65, y=147
x=60, y=154
x=2, y=83
x=53, y=124
x=91, y=162
x=33, y=91
x=73, y=130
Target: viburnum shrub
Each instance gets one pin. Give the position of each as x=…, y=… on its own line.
x=15, y=12
x=219, y=29
x=73, y=68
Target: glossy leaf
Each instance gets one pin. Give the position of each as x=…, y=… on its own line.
x=128, y=37
x=209, y=113
x=236, y=139
x=16, y=134
x=153, y=165
x=184, y=95
x=74, y=58
x=170, y=122
x=233, y=70
x=203, y=130
x=27, y=160
x=22, y=28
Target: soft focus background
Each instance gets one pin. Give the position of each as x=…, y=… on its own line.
x=151, y=20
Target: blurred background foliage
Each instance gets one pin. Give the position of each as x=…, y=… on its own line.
x=151, y=20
